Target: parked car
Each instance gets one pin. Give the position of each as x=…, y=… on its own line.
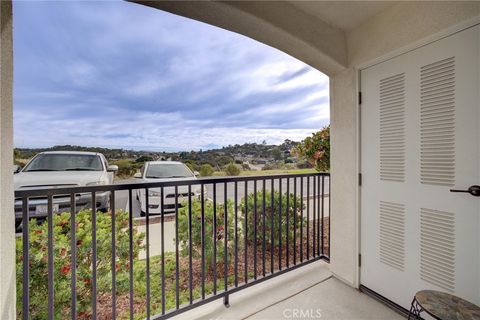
x=157, y=171
x=58, y=169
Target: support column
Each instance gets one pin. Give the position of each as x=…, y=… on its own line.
x=344, y=153
x=7, y=218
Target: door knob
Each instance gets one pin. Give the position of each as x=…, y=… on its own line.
x=473, y=190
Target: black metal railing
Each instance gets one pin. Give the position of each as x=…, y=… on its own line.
x=225, y=234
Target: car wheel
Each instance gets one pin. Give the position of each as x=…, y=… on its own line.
x=17, y=224
x=106, y=208
x=142, y=213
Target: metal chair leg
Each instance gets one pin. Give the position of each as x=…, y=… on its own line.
x=414, y=312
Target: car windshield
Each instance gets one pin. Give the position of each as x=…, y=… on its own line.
x=65, y=162
x=168, y=170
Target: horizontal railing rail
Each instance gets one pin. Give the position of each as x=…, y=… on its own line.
x=220, y=236
x=142, y=185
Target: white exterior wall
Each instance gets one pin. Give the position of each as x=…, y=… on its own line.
x=344, y=184
x=392, y=29
x=7, y=219
x=404, y=24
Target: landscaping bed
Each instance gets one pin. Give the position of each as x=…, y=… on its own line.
x=83, y=235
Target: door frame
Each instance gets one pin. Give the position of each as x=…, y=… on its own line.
x=358, y=86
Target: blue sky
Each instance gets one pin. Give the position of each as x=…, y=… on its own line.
x=118, y=74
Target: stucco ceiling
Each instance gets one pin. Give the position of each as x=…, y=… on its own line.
x=345, y=15
x=311, y=31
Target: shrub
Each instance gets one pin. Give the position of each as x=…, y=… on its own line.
x=63, y=264
x=274, y=166
x=278, y=218
x=304, y=165
x=276, y=153
x=316, y=149
x=126, y=168
x=232, y=170
x=143, y=159
x=224, y=160
x=206, y=170
x=290, y=166
x=183, y=230
x=191, y=165
x=245, y=166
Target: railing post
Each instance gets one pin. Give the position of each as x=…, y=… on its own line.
x=226, y=301
x=7, y=219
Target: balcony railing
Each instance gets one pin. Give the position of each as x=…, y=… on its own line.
x=222, y=235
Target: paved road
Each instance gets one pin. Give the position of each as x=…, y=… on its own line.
x=121, y=197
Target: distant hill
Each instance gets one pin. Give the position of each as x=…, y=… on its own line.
x=215, y=157
x=111, y=154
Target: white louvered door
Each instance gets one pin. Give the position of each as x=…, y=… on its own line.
x=420, y=137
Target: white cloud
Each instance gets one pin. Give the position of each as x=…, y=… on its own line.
x=167, y=131
x=113, y=80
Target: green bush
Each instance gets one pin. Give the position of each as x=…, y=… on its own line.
x=191, y=165
x=274, y=166
x=232, y=170
x=183, y=231
x=144, y=159
x=206, y=170
x=63, y=265
x=278, y=218
x=316, y=149
x=245, y=166
x=126, y=168
x=304, y=165
x=224, y=160
x=290, y=166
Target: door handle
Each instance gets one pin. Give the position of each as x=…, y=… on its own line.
x=473, y=190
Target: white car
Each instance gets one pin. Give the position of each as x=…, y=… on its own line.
x=63, y=169
x=158, y=171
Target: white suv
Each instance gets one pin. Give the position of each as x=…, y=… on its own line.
x=159, y=171
x=63, y=169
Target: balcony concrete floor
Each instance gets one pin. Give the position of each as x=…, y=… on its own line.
x=310, y=292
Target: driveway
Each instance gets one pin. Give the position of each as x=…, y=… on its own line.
x=121, y=197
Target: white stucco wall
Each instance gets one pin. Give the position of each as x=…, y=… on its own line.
x=343, y=119
x=7, y=219
x=403, y=24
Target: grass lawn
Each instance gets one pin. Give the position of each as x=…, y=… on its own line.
x=267, y=172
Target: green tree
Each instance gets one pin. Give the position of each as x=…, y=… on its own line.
x=190, y=164
x=16, y=156
x=224, y=160
x=206, y=170
x=245, y=166
x=232, y=170
x=277, y=154
x=316, y=149
x=143, y=159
